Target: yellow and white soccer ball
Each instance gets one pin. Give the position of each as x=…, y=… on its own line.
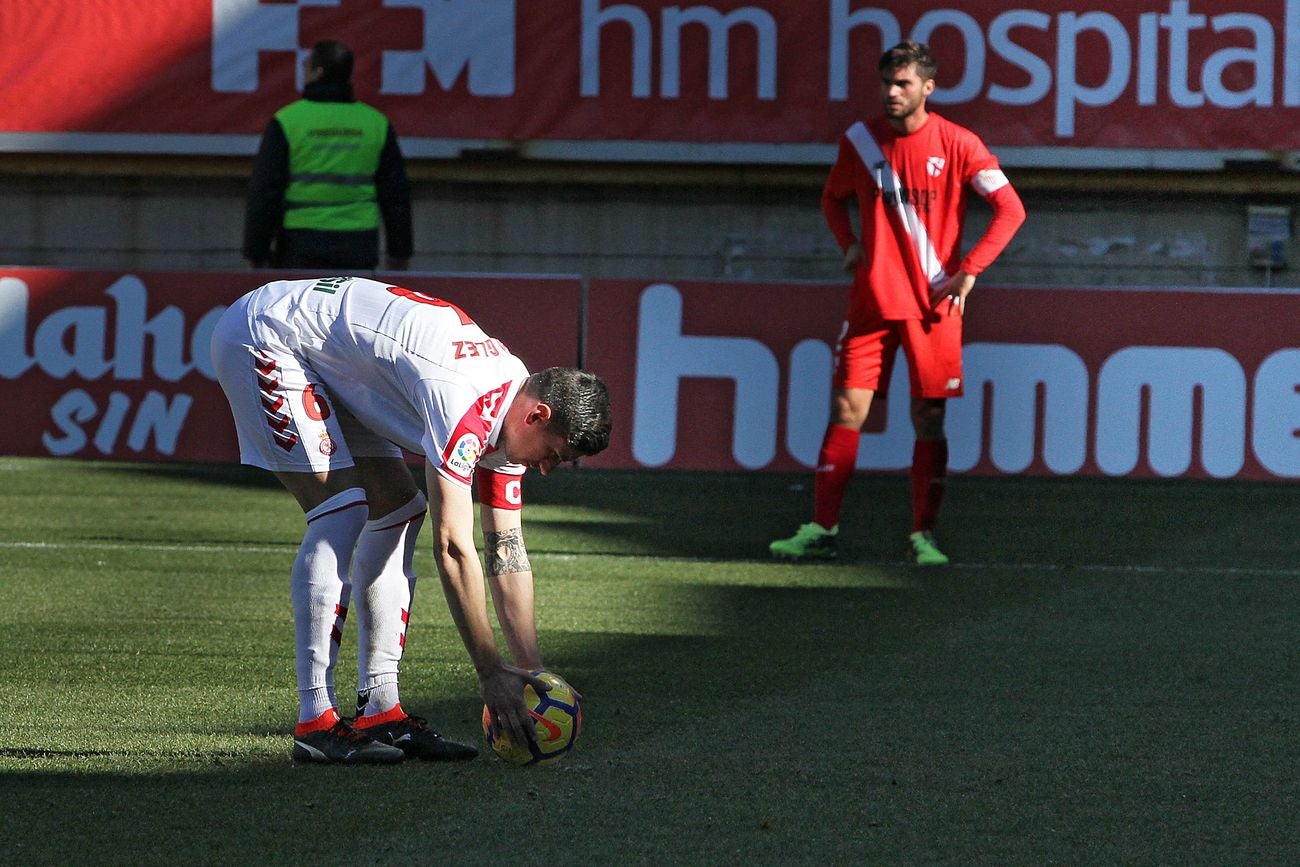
x=557, y=720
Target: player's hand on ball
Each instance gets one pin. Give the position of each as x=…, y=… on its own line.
x=502, y=689
x=556, y=714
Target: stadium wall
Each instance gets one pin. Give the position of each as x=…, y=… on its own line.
x=718, y=375
x=1086, y=227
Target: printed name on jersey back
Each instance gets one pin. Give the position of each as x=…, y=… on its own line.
x=468, y=441
x=490, y=348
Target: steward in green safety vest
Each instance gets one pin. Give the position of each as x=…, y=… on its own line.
x=333, y=154
x=327, y=172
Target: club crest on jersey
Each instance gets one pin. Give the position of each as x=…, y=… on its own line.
x=463, y=456
x=327, y=444
x=934, y=166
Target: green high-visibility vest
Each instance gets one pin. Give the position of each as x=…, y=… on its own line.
x=334, y=150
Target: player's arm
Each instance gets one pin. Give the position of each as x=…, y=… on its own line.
x=509, y=573
x=451, y=512
x=836, y=193
x=1008, y=215
x=510, y=576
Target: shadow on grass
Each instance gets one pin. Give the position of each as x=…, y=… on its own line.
x=738, y=715
x=232, y=475
x=989, y=718
x=1055, y=521
x=999, y=715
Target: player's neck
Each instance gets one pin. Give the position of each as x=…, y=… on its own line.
x=911, y=123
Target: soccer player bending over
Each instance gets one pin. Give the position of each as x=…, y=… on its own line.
x=328, y=381
x=909, y=171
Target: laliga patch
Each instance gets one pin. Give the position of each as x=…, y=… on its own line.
x=463, y=456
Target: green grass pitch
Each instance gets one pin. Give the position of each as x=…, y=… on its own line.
x=1109, y=674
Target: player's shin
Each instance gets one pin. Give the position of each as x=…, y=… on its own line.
x=382, y=573
x=317, y=591
x=929, y=480
x=835, y=464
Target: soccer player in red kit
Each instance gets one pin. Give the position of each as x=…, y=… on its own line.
x=910, y=171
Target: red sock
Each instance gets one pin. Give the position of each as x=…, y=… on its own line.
x=835, y=465
x=929, y=478
x=323, y=721
x=393, y=713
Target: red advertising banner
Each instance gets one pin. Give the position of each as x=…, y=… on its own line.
x=106, y=365
x=713, y=375
x=206, y=75
x=731, y=376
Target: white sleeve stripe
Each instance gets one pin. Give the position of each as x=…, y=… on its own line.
x=988, y=182
x=891, y=189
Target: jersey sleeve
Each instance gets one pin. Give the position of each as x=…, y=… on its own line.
x=455, y=449
x=986, y=178
x=840, y=186
x=458, y=426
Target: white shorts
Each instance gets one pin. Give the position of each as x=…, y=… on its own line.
x=285, y=418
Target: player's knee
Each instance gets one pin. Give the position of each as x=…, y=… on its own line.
x=849, y=411
x=927, y=419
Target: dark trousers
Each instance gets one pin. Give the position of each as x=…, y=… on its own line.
x=314, y=249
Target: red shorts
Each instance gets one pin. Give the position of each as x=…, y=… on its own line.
x=865, y=353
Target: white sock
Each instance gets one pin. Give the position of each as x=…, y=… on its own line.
x=384, y=577
x=317, y=588
x=380, y=698
x=336, y=639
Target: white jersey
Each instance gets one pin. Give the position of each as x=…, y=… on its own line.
x=410, y=367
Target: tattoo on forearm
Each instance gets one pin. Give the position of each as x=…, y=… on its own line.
x=504, y=552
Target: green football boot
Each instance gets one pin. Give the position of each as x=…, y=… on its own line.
x=812, y=542
x=924, y=550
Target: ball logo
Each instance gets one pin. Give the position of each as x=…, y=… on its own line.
x=553, y=732
x=465, y=454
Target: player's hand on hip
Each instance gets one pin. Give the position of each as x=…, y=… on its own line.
x=502, y=688
x=953, y=292
x=853, y=257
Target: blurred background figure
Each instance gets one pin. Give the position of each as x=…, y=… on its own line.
x=327, y=170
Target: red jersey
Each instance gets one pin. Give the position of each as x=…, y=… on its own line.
x=911, y=190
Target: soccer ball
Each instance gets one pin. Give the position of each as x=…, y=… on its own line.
x=557, y=719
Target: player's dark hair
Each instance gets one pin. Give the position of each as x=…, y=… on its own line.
x=905, y=54
x=579, y=403
x=334, y=58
